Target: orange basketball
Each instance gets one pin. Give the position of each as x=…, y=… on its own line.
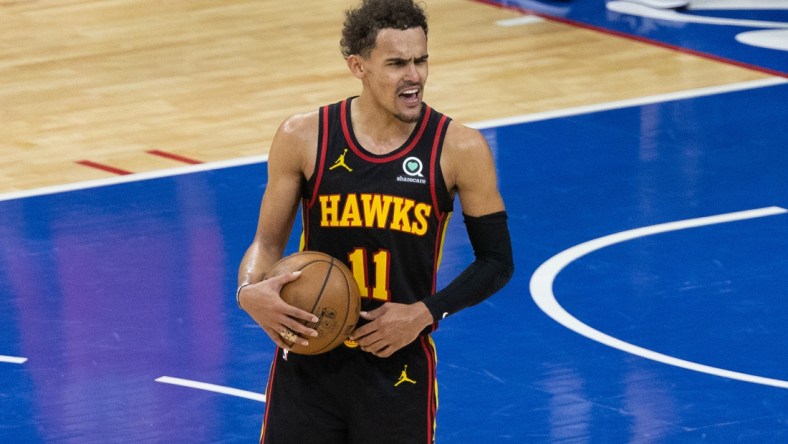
x=327, y=289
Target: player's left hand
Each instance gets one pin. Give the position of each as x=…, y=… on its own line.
x=391, y=327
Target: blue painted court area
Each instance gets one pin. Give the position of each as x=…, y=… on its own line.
x=106, y=289
x=752, y=34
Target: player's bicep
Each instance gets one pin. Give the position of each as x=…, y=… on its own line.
x=277, y=212
x=283, y=190
x=474, y=173
x=275, y=220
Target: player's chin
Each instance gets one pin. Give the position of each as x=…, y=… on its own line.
x=409, y=114
x=409, y=107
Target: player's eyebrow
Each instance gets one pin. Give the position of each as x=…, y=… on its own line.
x=401, y=60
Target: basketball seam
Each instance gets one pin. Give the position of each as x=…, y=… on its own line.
x=332, y=265
x=344, y=320
x=320, y=297
x=323, y=288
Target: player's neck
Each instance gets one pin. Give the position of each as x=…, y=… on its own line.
x=376, y=129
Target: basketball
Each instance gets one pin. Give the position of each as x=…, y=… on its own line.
x=327, y=289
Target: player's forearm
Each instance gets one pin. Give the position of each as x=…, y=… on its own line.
x=492, y=269
x=256, y=263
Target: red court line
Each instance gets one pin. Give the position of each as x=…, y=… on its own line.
x=107, y=168
x=638, y=38
x=172, y=156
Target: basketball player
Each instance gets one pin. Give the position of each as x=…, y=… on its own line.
x=376, y=176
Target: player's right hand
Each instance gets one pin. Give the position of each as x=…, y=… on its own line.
x=276, y=317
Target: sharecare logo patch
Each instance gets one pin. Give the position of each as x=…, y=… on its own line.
x=412, y=166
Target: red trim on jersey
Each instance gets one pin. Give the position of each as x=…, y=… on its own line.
x=442, y=219
x=440, y=215
x=268, y=390
x=321, y=165
x=433, y=166
x=367, y=157
x=432, y=407
x=304, y=223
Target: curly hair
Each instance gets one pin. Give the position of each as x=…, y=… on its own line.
x=363, y=23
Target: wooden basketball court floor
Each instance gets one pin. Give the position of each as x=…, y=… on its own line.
x=642, y=161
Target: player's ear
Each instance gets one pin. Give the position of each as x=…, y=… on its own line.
x=356, y=65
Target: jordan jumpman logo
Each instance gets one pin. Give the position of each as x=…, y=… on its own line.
x=404, y=377
x=341, y=162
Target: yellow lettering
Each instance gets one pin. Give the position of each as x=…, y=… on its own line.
x=422, y=212
x=376, y=209
x=329, y=210
x=400, y=220
x=351, y=217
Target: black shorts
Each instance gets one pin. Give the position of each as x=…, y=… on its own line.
x=348, y=396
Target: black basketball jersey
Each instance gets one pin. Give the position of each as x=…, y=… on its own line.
x=385, y=216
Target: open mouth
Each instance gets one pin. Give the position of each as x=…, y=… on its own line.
x=410, y=94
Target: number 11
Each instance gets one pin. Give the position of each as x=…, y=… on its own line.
x=382, y=260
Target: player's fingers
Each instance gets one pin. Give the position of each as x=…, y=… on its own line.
x=299, y=314
x=300, y=329
x=277, y=339
x=371, y=342
x=378, y=348
x=285, y=278
x=362, y=332
x=374, y=314
x=385, y=352
x=291, y=337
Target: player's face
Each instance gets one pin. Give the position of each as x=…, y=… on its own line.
x=396, y=71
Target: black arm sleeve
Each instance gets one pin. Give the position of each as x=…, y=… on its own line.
x=488, y=273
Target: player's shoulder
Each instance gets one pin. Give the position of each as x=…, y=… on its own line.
x=295, y=143
x=300, y=125
x=466, y=155
x=462, y=140
x=297, y=132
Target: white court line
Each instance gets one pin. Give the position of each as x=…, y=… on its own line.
x=647, y=100
x=674, y=16
x=687, y=94
x=738, y=4
x=136, y=177
x=212, y=388
x=522, y=20
x=541, y=286
x=12, y=359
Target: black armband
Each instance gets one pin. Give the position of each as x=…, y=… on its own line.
x=488, y=273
